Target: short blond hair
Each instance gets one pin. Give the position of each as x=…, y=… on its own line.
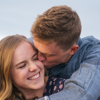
x=58, y=24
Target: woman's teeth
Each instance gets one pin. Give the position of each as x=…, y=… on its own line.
x=34, y=77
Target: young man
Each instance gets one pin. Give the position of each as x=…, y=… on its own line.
x=56, y=35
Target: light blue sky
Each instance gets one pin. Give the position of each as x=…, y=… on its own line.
x=17, y=16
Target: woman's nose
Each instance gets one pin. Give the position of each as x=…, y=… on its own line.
x=33, y=67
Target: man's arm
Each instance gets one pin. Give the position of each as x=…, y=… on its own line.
x=84, y=84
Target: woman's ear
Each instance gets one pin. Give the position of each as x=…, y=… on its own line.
x=74, y=48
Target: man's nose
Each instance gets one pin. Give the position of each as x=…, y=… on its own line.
x=41, y=57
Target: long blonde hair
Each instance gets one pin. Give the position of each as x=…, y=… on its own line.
x=7, y=47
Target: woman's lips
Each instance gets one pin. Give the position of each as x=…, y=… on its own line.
x=34, y=76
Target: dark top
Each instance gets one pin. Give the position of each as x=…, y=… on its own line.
x=54, y=85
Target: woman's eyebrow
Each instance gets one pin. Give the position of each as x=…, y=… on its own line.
x=24, y=61
x=19, y=63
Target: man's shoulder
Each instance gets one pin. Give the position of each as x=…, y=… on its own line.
x=90, y=39
x=87, y=42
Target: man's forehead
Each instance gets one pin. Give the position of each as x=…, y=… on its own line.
x=45, y=48
x=44, y=44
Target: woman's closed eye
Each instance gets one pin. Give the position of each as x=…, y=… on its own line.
x=36, y=58
x=22, y=66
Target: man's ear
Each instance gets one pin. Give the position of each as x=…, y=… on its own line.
x=74, y=48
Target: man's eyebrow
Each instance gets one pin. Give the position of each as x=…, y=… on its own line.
x=24, y=61
x=48, y=54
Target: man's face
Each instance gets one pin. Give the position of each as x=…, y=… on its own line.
x=50, y=54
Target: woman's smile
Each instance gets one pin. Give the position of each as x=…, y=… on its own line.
x=34, y=77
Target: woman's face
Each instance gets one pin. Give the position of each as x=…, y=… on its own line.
x=27, y=72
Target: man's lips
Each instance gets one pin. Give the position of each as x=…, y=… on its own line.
x=34, y=76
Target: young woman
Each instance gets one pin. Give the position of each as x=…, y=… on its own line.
x=21, y=73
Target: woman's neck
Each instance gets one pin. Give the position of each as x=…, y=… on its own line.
x=29, y=94
x=33, y=93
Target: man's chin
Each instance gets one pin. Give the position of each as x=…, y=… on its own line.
x=47, y=66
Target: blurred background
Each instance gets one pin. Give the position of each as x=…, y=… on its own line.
x=17, y=16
